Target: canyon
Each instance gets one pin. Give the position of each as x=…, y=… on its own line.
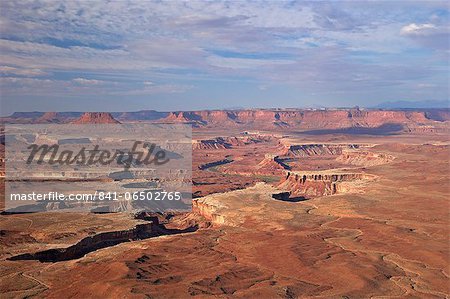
x=286, y=204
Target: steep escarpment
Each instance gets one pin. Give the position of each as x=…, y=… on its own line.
x=50, y=117
x=91, y=243
x=313, y=184
x=102, y=240
x=210, y=144
x=96, y=118
x=302, y=119
x=302, y=156
x=228, y=142
x=273, y=162
x=308, y=150
x=279, y=119
x=209, y=209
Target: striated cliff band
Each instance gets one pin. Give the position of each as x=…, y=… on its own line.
x=436, y=120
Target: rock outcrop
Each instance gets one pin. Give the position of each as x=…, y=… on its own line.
x=302, y=119
x=228, y=142
x=96, y=118
x=50, y=117
x=364, y=158
x=274, y=163
x=425, y=120
x=311, y=184
x=210, y=144
x=208, y=208
x=307, y=150
x=102, y=240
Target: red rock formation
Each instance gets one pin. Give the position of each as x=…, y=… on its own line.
x=208, y=208
x=364, y=158
x=304, y=119
x=307, y=150
x=317, y=184
x=228, y=142
x=96, y=118
x=209, y=144
x=273, y=163
x=49, y=117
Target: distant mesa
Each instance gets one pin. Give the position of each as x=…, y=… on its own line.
x=314, y=121
x=96, y=118
x=346, y=121
x=49, y=117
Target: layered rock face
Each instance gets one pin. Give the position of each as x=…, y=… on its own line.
x=274, y=163
x=305, y=119
x=228, y=142
x=210, y=144
x=49, y=117
x=96, y=118
x=92, y=243
x=425, y=120
x=208, y=209
x=318, y=184
x=307, y=150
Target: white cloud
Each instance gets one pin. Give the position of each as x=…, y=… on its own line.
x=434, y=35
x=418, y=29
x=9, y=70
x=161, y=45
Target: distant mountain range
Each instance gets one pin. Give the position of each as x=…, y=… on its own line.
x=413, y=105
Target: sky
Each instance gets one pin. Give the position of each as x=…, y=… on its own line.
x=173, y=55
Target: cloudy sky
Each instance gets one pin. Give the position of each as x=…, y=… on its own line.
x=173, y=55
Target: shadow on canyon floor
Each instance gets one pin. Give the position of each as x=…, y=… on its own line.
x=293, y=199
x=103, y=240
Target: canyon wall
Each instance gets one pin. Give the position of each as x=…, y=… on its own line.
x=308, y=150
x=425, y=120
x=92, y=243
x=208, y=209
x=228, y=142
x=311, y=184
x=304, y=119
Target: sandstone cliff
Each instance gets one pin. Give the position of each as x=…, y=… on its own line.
x=312, y=184
x=302, y=119
x=96, y=118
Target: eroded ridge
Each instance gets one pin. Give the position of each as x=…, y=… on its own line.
x=229, y=142
x=313, y=184
x=103, y=240
x=321, y=149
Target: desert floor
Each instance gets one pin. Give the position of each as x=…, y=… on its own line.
x=385, y=237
